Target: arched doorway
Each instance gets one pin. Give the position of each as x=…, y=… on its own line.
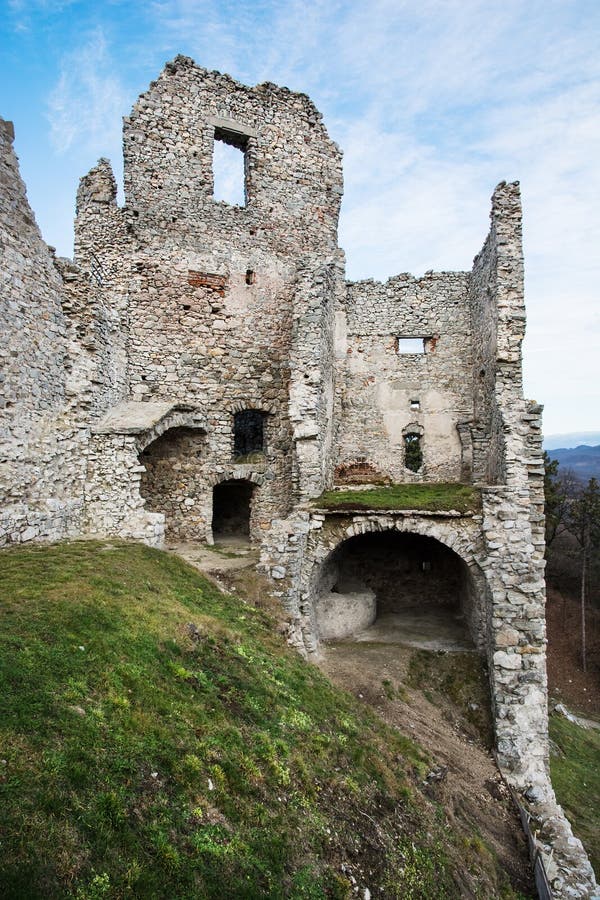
x=172, y=481
x=394, y=586
x=232, y=510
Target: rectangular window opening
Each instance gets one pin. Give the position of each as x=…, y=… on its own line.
x=411, y=345
x=249, y=435
x=415, y=404
x=229, y=167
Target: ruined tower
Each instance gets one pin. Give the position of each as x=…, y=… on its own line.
x=203, y=368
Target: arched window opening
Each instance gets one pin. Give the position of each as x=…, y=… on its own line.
x=413, y=451
x=248, y=435
x=395, y=587
x=232, y=508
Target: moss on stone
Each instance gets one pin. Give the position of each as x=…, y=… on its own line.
x=462, y=498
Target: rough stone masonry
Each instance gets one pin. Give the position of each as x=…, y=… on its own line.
x=204, y=369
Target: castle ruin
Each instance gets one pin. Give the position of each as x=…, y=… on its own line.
x=202, y=368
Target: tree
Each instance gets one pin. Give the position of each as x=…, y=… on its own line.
x=584, y=525
x=559, y=489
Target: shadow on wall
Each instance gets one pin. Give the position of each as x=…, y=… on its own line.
x=171, y=483
x=232, y=510
x=386, y=574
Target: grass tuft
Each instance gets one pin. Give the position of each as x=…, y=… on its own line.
x=575, y=773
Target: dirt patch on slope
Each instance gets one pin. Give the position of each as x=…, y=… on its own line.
x=566, y=679
x=441, y=700
x=463, y=779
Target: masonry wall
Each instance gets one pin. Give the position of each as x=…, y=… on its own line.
x=385, y=393
x=510, y=429
x=96, y=291
x=215, y=293
x=41, y=463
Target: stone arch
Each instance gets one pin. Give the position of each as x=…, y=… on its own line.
x=457, y=536
x=178, y=417
x=267, y=407
x=236, y=473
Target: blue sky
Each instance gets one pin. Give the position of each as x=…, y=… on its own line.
x=432, y=101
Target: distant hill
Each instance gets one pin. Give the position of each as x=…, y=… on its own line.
x=570, y=439
x=584, y=461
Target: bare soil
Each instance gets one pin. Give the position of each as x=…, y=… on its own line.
x=412, y=687
x=464, y=778
x=578, y=690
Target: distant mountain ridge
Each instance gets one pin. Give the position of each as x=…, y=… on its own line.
x=584, y=461
x=571, y=439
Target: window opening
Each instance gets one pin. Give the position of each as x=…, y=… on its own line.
x=229, y=167
x=250, y=276
x=248, y=434
x=413, y=452
x=411, y=345
x=415, y=404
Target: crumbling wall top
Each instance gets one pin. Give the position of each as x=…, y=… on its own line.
x=99, y=186
x=292, y=169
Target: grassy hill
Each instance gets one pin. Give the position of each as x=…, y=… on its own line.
x=575, y=768
x=158, y=739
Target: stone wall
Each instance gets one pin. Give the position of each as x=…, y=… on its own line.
x=387, y=393
x=228, y=307
x=41, y=463
x=319, y=289
x=172, y=482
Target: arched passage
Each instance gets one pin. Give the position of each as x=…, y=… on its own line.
x=232, y=510
x=172, y=482
x=399, y=586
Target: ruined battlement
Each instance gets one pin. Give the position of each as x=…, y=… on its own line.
x=202, y=368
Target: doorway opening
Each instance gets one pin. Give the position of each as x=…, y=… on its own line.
x=391, y=587
x=232, y=511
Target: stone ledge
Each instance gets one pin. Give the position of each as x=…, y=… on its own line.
x=134, y=417
x=404, y=513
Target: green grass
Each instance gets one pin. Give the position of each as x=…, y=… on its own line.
x=142, y=757
x=428, y=497
x=576, y=780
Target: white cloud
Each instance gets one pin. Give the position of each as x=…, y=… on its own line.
x=433, y=103
x=86, y=104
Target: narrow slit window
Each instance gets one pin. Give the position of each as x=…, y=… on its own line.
x=413, y=452
x=229, y=167
x=411, y=345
